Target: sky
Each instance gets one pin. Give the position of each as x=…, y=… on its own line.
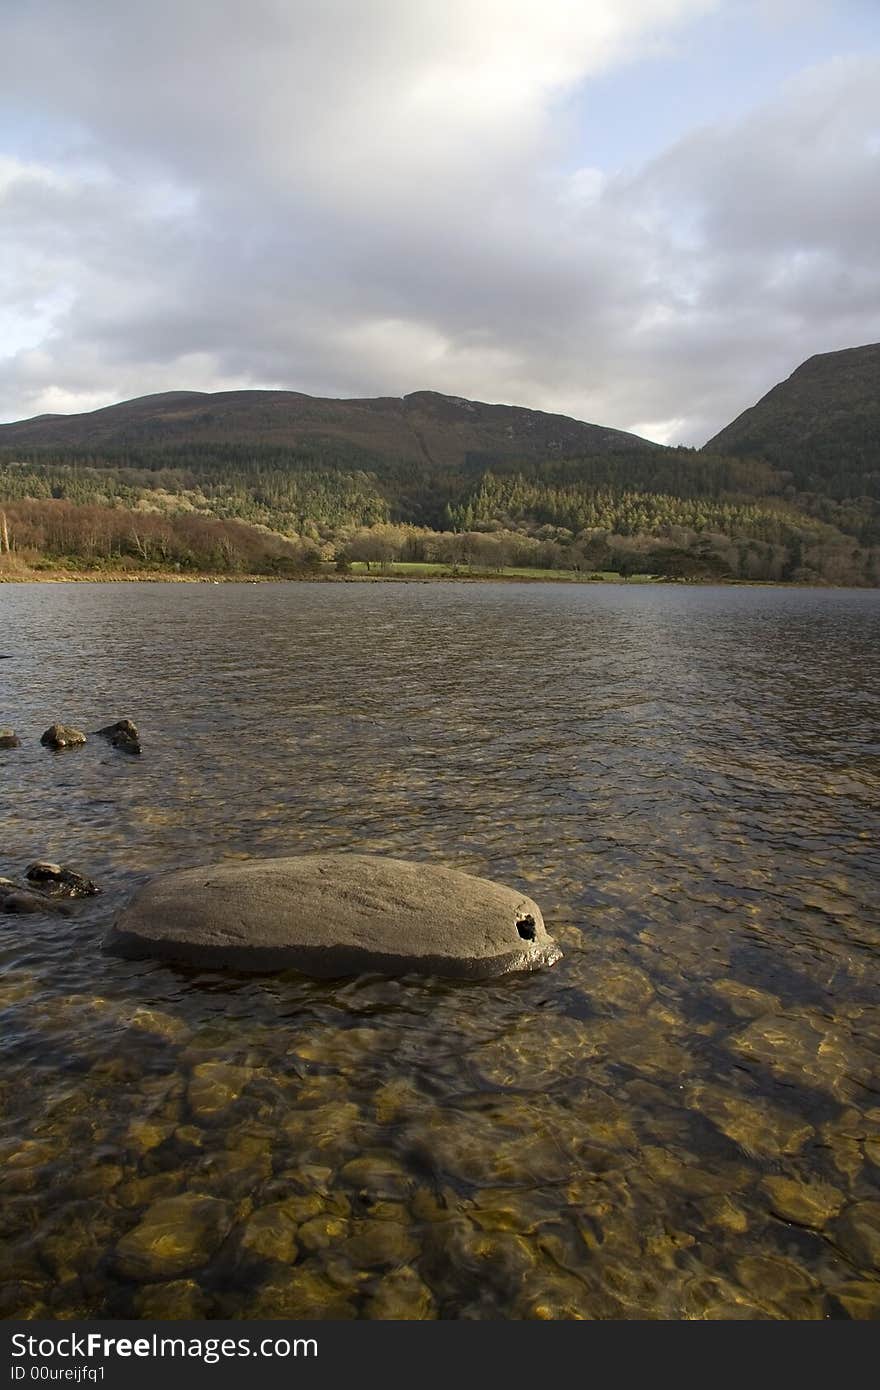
x=643, y=213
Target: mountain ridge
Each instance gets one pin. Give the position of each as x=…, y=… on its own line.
x=448, y=428
x=794, y=496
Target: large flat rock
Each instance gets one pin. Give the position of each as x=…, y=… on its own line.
x=335, y=914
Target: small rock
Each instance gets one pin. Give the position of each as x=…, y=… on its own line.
x=321, y=1231
x=190, y=1136
x=491, y=1260
x=301, y=1293
x=759, y=1127
x=860, y=1300
x=122, y=726
x=159, y=1025
x=175, y=1235
x=213, y=1088
x=62, y=736
x=144, y=1135
x=400, y=1296
x=377, y=1175
x=14, y=899
x=729, y=1215
x=857, y=1234
x=554, y=1296
x=771, y=1279
x=380, y=1244
x=181, y=1299
x=323, y=1129
x=397, y=1100
x=96, y=1180
x=20, y=1298
x=22, y=1259
x=72, y=1245
x=810, y=1204
x=30, y=1153
x=269, y=1234
x=745, y=1000
x=302, y=1206
x=710, y=1299
x=122, y=735
x=9, y=739
x=139, y=1192
x=60, y=882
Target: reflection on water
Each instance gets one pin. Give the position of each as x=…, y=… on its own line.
x=681, y=1120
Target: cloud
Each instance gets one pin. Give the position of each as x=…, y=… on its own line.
x=355, y=199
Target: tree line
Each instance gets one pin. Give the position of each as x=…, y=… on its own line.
x=674, y=552
x=39, y=534
x=672, y=511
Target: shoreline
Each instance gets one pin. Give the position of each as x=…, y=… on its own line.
x=565, y=577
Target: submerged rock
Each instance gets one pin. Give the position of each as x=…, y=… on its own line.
x=336, y=914
x=857, y=1234
x=60, y=882
x=213, y=1088
x=175, y=1235
x=322, y=1231
x=15, y=899
x=303, y=1292
x=554, y=1295
x=377, y=1175
x=380, y=1245
x=62, y=736
x=270, y=1234
x=759, y=1127
x=159, y=1025
x=400, y=1296
x=122, y=735
x=861, y=1300
x=9, y=738
x=810, y=1204
x=179, y=1299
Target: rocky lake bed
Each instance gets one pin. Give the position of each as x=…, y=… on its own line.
x=680, y=1119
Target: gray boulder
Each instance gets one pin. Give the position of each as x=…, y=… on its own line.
x=60, y=882
x=9, y=739
x=122, y=735
x=330, y=915
x=62, y=736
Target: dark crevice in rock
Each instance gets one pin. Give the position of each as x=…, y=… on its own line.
x=526, y=927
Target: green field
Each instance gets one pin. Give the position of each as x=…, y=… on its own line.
x=423, y=569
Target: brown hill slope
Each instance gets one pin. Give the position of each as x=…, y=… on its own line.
x=425, y=426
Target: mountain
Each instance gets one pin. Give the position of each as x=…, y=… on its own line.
x=425, y=427
x=239, y=481
x=822, y=425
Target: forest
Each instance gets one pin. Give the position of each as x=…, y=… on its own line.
x=239, y=508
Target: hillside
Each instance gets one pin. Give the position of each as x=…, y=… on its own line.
x=821, y=425
x=427, y=478
x=425, y=428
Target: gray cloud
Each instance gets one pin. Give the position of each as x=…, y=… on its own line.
x=355, y=199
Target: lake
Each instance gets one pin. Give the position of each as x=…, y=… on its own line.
x=681, y=1120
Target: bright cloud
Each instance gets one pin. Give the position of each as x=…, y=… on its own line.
x=352, y=198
